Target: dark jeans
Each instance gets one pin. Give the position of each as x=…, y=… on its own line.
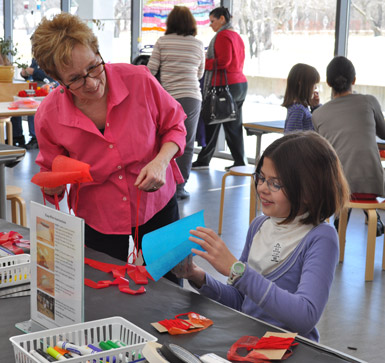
x=116, y=245
x=192, y=108
x=18, y=128
x=233, y=131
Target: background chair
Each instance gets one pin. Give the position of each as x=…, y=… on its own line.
x=370, y=207
x=246, y=170
x=17, y=204
x=8, y=126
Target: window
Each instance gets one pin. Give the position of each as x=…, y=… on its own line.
x=367, y=37
x=111, y=25
x=277, y=35
x=27, y=14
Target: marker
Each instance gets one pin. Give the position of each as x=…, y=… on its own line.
x=63, y=352
x=38, y=356
x=75, y=348
x=55, y=354
x=120, y=343
x=45, y=355
x=112, y=344
x=105, y=346
x=96, y=349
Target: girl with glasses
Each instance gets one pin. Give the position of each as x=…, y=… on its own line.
x=118, y=119
x=287, y=265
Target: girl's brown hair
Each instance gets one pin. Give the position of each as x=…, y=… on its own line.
x=180, y=21
x=311, y=175
x=299, y=85
x=53, y=41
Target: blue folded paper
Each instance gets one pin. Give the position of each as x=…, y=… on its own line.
x=165, y=247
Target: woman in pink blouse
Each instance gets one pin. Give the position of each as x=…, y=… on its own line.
x=118, y=119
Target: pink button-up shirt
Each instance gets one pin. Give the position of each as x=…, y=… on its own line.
x=141, y=117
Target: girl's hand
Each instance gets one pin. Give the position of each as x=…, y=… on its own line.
x=187, y=269
x=315, y=101
x=152, y=176
x=52, y=191
x=216, y=251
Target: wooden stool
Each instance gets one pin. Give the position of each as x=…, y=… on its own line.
x=13, y=194
x=370, y=207
x=239, y=171
x=8, y=126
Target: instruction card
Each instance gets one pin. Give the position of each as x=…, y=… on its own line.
x=57, y=267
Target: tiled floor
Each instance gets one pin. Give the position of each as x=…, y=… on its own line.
x=354, y=319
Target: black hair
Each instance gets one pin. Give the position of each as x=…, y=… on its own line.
x=218, y=12
x=340, y=74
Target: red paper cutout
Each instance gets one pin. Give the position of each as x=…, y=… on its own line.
x=179, y=326
x=65, y=170
x=251, y=343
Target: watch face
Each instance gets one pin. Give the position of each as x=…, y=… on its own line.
x=238, y=268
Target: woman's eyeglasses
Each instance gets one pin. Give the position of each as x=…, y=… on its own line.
x=93, y=72
x=272, y=184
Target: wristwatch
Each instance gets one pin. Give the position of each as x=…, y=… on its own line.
x=236, y=272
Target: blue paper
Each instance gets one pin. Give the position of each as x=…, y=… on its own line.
x=165, y=247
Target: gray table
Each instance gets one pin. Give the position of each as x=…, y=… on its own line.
x=162, y=300
x=9, y=156
x=263, y=127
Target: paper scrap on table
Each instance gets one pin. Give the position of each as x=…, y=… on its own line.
x=165, y=247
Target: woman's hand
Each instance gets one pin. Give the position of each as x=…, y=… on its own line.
x=216, y=251
x=52, y=191
x=187, y=269
x=153, y=175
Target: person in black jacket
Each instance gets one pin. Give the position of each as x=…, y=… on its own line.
x=36, y=74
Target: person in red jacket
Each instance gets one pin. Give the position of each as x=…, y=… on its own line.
x=228, y=51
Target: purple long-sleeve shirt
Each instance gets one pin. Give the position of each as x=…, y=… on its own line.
x=298, y=118
x=295, y=294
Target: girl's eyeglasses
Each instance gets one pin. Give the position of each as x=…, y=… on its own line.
x=93, y=72
x=272, y=184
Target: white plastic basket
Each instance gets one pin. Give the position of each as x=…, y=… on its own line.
x=14, y=270
x=82, y=334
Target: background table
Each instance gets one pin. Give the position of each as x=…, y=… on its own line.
x=5, y=112
x=9, y=156
x=162, y=300
x=263, y=127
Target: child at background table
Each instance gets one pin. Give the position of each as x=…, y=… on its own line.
x=301, y=93
x=287, y=265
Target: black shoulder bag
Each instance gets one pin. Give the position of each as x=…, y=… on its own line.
x=219, y=105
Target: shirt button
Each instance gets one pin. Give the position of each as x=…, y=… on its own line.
x=107, y=124
x=124, y=199
x=119, y=167
x=120, y=177
x=111, y=146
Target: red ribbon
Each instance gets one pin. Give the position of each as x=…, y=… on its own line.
x=137, y=273
x=10, y=241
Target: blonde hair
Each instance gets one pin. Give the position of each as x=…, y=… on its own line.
x=54, y=40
